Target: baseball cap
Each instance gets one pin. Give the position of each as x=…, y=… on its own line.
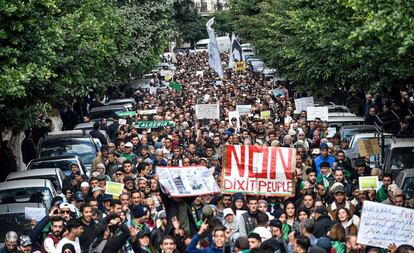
x=24, y=240
x=142, y=233
x=128, y=178
x=71, y=207
x=316, y=151
x=11, y=236
x=324, y=165
x=323, y=146
x=339, y=189
x=138, y=211
x=96, y=188
x=227, y=211
x=129, y=145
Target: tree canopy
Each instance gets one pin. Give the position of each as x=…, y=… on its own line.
x=323, y=44
x=55, y=49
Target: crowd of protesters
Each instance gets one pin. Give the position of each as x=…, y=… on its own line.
x=322, y=216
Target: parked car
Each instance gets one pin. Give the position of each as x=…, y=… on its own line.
x=405, y=180
x=122, y=101
x=61, y=162
x=400, y=156
x=88, y=126
x=346, y=132
x=340, y=121
x=256, y=66
x=55, y=175
x=108, y=111
x=69, y=143
x=12, y=218
x=375, y=160
x=27, y=191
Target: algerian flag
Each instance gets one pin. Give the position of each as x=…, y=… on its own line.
x=176, y=86
x=213, y=51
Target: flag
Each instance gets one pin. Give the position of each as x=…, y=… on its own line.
x=213, y=51
x=236, y=53
x=176, y=86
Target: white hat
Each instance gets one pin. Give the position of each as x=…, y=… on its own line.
x=71, y=207
x=227, y=211
x=331, y=135
x=129, y=145
x=316, y=151
x=84, y=184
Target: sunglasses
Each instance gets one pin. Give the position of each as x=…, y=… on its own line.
x=65, y=211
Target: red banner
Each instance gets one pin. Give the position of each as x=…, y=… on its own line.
x=258, y=170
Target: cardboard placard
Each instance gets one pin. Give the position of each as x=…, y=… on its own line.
x=317, y=112
x=113, y=188
x=243, y=109
x=368, y=147
x=368, y=183
x=207, y=111
x=302, y=104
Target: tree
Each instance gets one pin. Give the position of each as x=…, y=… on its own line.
x=190, y=25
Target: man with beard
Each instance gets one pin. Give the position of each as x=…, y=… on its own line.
x=55, y=235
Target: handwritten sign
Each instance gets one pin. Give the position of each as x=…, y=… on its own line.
x=331, y=130
x=207, y=111
x=383, y=224
x=240, y=66
x=368, y=183
x=302, y=104
x=147, y=112
x=113, y=188
x=243, y=109
x=317, y=112
x=234, y=120
x=258, y=170
x=187, y=181
x=265, y=114
x=34, y=213
x=368, y=147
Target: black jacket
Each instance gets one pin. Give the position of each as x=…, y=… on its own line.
x=322, y=225
x=98, y=135
x=87, y=237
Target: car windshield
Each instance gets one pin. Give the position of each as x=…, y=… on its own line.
x=402, y=158
x=408, y=187
x=13, y=222
x=348, y=133
x=53, y=178
x=202, y=46
x=61, y=164
x=26, y=195
x=83, y=149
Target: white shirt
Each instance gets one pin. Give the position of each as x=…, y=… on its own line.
x=66, y=240
x=49, y=245
x=263, y=232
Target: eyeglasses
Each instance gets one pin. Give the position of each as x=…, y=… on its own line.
x=118, y=174
x=65, y=211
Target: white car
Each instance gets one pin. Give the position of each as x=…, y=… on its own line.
x=27, y=191
x=55, y=175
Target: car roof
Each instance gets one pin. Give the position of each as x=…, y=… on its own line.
x=58, y=157
x=120, y=100
x=17, y=207
x=107, y=108
x=345, y=119
x=31, y=173
x=402, y=143
x=66, y=134
x=369, y=135
x=15, y=184
x=349, y=127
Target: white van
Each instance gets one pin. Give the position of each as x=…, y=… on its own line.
x=222, y=42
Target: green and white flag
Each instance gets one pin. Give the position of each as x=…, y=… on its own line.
x=126, y=114
x=152, y=124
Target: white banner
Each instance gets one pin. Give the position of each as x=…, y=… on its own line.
x=187, y=181
x=213, y=51
x=302, y=103
x=383, y=224
x=317, y=112
x=243, y=109
x=207, y=111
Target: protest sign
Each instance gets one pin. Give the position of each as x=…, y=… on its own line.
x=234, y=119
x=35, y=213
x=302, y=104
x=317, y=112
x=351, y=153
x=368, y=147
x=265, y=114
x=113, y=188
x=243, y=109
x=331, y=130
x=153, y=90
x=152, y=124
x=187, y=181
x=240, y=66
x=147, y=112
x=122, y=121
x=383, y=224
x=199, y=73
x=368, y=183
x=126, y=114
x=207, y=111
x=258, y=170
